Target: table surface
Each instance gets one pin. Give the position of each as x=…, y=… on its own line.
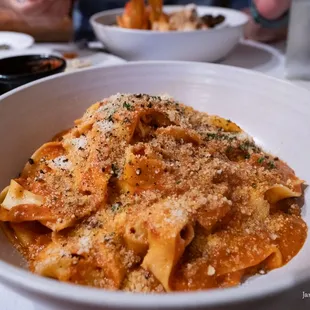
x=268, y=59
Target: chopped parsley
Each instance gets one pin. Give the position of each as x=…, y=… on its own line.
x=260, y=160
x=220, y=136
x=212, y=136
x=127, y=106
x=156, y=97
x=245, y=146
x=110, y=118
x=271, y=165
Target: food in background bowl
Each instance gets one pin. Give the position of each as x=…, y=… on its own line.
x=111, y=204
x=140, y=43
x=152, y=17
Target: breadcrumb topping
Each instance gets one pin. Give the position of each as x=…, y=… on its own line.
x=139, y=172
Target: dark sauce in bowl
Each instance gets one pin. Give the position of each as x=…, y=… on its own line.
x=19, y=70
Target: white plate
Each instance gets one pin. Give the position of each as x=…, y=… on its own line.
x=275, y=112
x=199, y=45
x=16, y=40
x=92, y=55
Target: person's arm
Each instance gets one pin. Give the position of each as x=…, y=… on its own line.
x=271, y=10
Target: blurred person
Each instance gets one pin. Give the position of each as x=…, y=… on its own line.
x=36, y=12
x=268, y=20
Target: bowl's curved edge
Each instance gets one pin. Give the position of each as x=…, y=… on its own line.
x=22, y=280
x=163, y=62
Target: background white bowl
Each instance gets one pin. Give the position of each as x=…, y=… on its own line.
x=200, y=45
x=276, y=113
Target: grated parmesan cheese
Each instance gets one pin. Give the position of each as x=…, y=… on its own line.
x=166, y=97
x=116, y=97
x=60, y=162
x=211, y=271
x=244, y=136
x=84, y=244
x=178, y=214
x=273, y=236
x=79, y=143
x=172, y=115
x=105, y=126
x=182, y=187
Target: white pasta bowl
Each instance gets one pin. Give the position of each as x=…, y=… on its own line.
x=275, y=113
x=200, y=45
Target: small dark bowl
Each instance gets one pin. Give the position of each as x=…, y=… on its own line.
x=19, y=70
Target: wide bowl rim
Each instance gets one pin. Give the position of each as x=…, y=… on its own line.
x=23, y=280
x=93, y=21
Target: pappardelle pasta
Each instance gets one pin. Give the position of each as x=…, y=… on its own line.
x=145, y=194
